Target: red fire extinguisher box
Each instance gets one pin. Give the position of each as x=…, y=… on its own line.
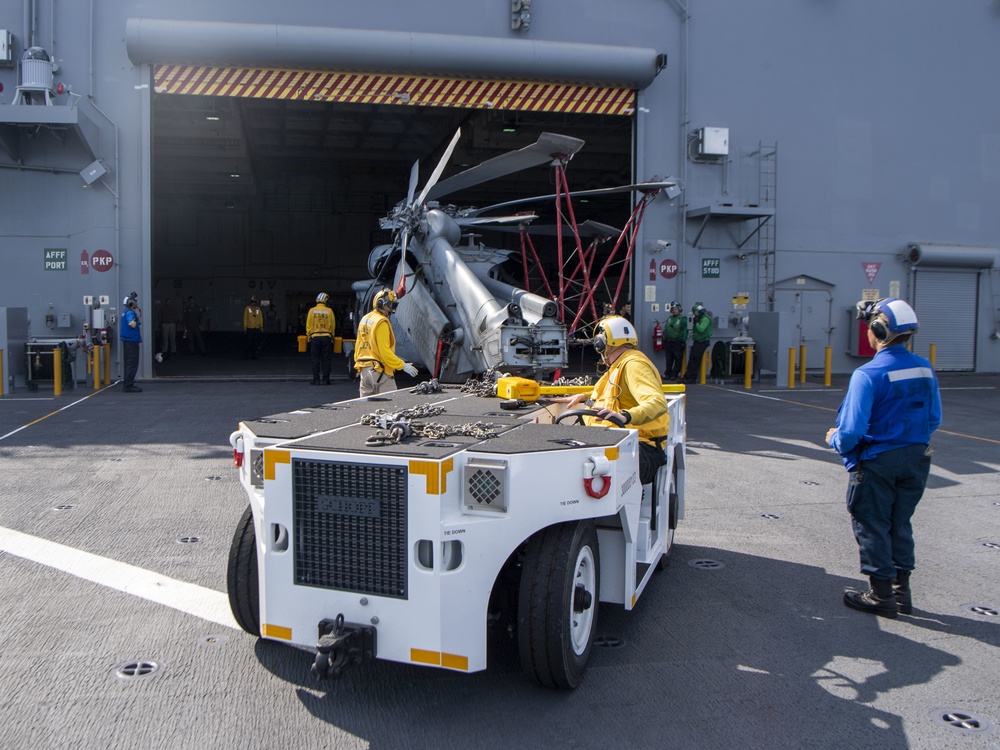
x=859, y=337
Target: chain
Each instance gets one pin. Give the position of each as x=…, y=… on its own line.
x=382, y=418
x=428, y=386
x=437, y=431
x=395, y=427
x=485, y=386
x=582, y=380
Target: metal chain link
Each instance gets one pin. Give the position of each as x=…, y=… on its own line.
x=428, y=386
x=397, y=426
x=485, y=386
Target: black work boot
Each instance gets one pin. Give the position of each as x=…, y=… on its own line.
x=878, y=599
x=901, y=590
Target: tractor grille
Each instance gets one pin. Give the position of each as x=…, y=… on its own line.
x=350, y=527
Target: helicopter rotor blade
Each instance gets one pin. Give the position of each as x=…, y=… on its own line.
x=587, y=229
x=669, y=185
x=547, y=147
x=436, y=174
x=486, y=221
x=401, y=269
x=414, y=176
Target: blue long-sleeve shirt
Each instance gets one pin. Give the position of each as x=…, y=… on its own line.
x=891, y=402
x=128, y=332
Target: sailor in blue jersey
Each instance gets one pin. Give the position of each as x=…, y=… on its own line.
x=130, y=334
x=883, y=433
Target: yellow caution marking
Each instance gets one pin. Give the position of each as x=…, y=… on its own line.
x=420, y=656
x=436, y=473
x=276, y=631
x=272, y=457
x=405, y=90
x=453, y=661
x=436, y=659
x=611, y=453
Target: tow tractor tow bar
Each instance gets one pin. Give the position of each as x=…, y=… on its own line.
x=340, y=645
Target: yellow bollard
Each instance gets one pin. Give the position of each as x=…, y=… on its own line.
x=827, y=365
x=932, y=354
x=57, y=370
x=684, y=360
x=748, y=367
x=703, y=370
x=791, y=367
x=107, y=362
x=97, y=367
x=802, y=363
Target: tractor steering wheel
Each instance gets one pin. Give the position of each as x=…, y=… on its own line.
x=578, y=413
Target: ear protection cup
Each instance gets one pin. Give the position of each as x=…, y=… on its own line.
x=878, y=328
x=600, y=343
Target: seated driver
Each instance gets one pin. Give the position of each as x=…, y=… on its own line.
x=629, y=394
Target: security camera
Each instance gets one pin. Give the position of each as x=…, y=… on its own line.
x=663, y=244
x=741, y=256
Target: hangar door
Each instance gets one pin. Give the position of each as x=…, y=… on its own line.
x=280, y=177
x=946, y=302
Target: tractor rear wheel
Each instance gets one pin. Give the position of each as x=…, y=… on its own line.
x=558, y=603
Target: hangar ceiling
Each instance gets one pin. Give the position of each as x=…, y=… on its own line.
x=222, y=151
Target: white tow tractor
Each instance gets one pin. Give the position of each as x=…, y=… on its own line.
x=399, y=526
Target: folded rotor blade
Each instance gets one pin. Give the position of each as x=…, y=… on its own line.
x=495, y=220
x=547, y=147
x=587, y=229
x=436, y=174
x=414, y=176
x=641, y=187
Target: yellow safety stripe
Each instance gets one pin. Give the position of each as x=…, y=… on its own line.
x=413, y=91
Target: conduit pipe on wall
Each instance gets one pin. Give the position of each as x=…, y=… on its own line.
x=323, y=48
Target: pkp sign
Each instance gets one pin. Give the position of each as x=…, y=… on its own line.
x=102, y=260
x=668, y=268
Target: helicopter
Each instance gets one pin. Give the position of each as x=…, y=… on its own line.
x=461, y=310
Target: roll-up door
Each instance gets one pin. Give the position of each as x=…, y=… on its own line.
x=420, y=91
x=946, y=302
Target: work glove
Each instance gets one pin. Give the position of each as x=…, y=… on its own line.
x=410, y=369
x=609, y=415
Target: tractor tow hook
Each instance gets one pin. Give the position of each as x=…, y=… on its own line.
x=341, y=645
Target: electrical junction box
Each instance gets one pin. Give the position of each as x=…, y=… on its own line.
x=713, y=142
x=64, y=320
x=6, y=48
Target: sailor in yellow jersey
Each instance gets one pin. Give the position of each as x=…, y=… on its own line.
x=320, y=324
x=629, y=394
x=375, y=349
x=253, y=328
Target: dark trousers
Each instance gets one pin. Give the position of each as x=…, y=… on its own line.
x=882, y=494
x=694, y=361
x=321, y=351
x=675, y=355
x=651, y=459
x=253, y=338
x=130, y=360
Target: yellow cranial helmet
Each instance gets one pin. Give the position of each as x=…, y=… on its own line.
x=385, y=300
x=614, y=331
x=323, y=297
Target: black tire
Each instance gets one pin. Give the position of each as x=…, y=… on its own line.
x=241, y=575
x=672, y=511
x=556, y=623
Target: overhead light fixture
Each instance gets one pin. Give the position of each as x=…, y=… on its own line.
x=235, y=174
x=212, y=118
